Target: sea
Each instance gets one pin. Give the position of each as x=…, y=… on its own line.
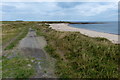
x=106, y=27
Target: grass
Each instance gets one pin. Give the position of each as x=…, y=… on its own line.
x=51, y=51
x=0, y=67
x=16, y=41
x=81, y=56
x=102, y=39
x=11, y=31
x=77, y=55
x=17, y=67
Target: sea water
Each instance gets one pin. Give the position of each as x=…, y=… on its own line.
x=107, y=27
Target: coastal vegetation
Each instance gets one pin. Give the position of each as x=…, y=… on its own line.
x=80, y=56
x=17, y=67
x=13, y=64
x=77, y=55
x=12, y=33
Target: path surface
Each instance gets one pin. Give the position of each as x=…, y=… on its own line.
x=32, y=46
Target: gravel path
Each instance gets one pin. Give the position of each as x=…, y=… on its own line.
x=33, y=46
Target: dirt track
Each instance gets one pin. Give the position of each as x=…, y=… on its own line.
x=33, y=46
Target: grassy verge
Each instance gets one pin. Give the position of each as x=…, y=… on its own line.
x=14, y=31
x=10, y=31
x=17, y=67
x=0, y=67
x=13, y=65
x=16, y=41
x=81, y=56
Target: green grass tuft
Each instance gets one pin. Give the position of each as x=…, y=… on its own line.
x=17, y=67
x=51, y=51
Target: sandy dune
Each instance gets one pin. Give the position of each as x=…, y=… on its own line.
x=65, y=27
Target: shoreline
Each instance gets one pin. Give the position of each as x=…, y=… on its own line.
x=94, y=30
x=65, y=27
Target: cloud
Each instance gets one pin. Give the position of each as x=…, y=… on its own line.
x=91, y=9
x=39, y=8
x=86, y=9
x=7, y=8
x=60, y=0
x=68, y=4
x=59, y=10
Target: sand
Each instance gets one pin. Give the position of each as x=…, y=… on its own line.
x=65, y=27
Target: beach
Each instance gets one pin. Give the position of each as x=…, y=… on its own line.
x=65, y=27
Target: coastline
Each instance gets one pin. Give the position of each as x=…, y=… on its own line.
x=65, y=27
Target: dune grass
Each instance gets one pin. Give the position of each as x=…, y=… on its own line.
x=81, y=56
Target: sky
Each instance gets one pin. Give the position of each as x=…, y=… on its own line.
x=59, y=11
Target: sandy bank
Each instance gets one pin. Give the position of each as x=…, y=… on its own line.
x=65, y=27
